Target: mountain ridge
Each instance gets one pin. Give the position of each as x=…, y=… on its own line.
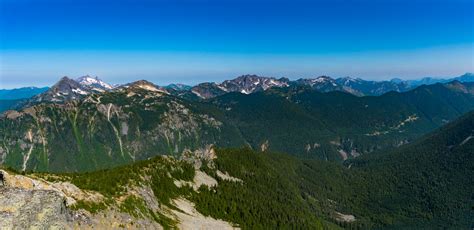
x=140, y=120
x=253, y=83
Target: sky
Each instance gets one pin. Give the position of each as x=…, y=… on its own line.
x=179, y=41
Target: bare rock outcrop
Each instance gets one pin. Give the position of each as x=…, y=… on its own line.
x=32, y=209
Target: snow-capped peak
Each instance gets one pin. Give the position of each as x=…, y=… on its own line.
x=94, y=83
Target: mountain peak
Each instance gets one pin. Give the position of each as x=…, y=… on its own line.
x=146, y=85
x=87, y=77
x=467, y=77
x=141, y=82
x=65, y=89
x=246, y=84
x=64, y=79
x=66, y=82
x=251, y=83
x=94, y=83
x=324, y=78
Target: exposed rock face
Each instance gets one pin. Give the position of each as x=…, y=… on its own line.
x=245, y=84
x=26, y=209
x=264, y=146
x=226, y=176
x=321, y=84
x=252, y=83
x=344, y=217
x=196, y=157
x=146, y=85
x=190, y=218
x=64, y=90
x=65, y=189
x=202, y=178
x=208, y=90
x=34, y=203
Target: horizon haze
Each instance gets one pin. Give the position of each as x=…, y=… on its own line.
x=198, y=41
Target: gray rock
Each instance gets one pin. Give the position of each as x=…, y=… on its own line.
x=37, y=209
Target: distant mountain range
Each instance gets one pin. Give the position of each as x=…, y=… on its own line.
x=247, y=84
x=67, y=89
x=20, y=93
x=467, y=77
x=102, y=126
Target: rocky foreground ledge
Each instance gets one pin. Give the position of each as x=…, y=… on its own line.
x=26, y=203
x=53, y=201
x=25, y=209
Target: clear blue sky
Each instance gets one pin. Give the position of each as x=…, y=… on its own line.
x=195, y=41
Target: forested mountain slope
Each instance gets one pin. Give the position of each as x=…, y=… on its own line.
x=338, y=125
x=426, y=184
x=8, y=104
x=131, y=123
x=105, y=130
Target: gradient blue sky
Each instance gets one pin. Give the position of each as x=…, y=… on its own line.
x=196, y=41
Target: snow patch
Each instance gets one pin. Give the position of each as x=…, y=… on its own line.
x=222, y=88
x=90, y=81
x=79, y=91
x=244, y=91
x=197, y=94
